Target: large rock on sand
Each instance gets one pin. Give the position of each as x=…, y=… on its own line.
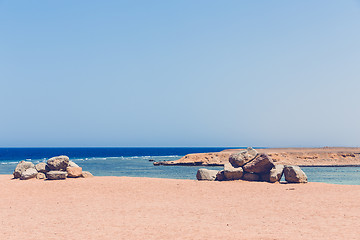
x=231, y=173
x=41, y=175
x=294, y=174
x=86, y=174
x=28, y=173
x=58, y=163
x=276, y=173
x=251, y=177
x=74, y=172
x=262, y=163
x=241, y=158
x=220, y=176
x=56, y=175
x=72, y=164
x=205, y=174
x=21, y=167
x=42, y=167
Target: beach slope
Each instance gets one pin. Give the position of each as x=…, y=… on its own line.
x=145, y=208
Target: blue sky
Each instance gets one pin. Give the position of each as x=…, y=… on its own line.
x=179, y=73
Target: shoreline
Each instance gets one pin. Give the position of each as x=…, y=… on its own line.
x=11, y=178
x=154, y=208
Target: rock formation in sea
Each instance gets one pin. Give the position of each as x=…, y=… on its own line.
x=199, y=159
x=55, y=168
x=334, y=156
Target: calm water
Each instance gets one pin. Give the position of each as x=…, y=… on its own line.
x=336, y=175
x=134, y=162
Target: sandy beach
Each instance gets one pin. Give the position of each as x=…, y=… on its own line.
x=149, y=208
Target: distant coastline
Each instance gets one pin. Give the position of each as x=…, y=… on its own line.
x=314, y=157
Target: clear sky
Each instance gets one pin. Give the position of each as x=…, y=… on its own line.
x=179, y=73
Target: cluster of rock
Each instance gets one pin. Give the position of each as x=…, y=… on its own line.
x=55, y=168
x=250, y=165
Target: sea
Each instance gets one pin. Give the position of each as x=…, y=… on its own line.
x=138, y=162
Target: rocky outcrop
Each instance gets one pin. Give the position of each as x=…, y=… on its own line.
x=276, y=173
x=265, y=177
x=254, y=167
x=251, y=177
x=294, y=174
x=72, y=164
x=199, y=159
x=232, y=173
x=26, y=170
x=58, y=163
x=41, y=175
x=262, y=163
x=205, y=174
x=86, y=174
x=331, y=157
x=42, y=167
x=241, y=158
x=74, y=172
x=281, y=156
x=21, y=167
x=56, y=175
x=220, y=176
x=28, y=173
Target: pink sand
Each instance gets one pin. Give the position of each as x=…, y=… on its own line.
x=146, y=208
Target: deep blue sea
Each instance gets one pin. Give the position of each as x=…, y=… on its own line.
x=134, y=162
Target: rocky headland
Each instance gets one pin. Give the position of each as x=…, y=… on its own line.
x=250, y=165
x=327, y=156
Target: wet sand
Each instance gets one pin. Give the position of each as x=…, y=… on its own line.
x=146, y=208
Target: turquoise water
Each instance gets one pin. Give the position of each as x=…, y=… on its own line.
x=335, y=175
x=134, y=162
x=142, y=167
